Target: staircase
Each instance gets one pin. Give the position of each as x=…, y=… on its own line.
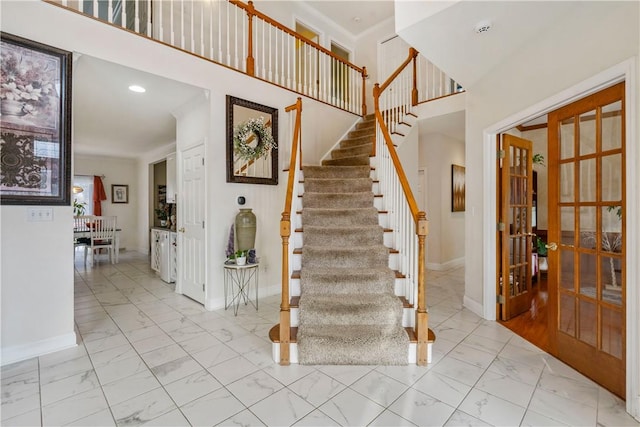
x=347, y=311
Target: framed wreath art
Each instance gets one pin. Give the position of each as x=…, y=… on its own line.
x=252, y=139
x=252, y=142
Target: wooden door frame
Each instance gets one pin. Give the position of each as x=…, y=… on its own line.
x=626, y=71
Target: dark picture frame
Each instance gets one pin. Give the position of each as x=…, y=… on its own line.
x=457, y=188
x=119, y=193
x=35, y=130
x=261, y=170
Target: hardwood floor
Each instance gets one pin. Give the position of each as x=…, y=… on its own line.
x=532, y=325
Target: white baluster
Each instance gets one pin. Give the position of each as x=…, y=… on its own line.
x=136, y=16
x=124, y=15
x=173, y=43
x=95, y=9
x=109, y=11
x=228, y=33
x=270, y=55
x=161, y=21
x=182, y=35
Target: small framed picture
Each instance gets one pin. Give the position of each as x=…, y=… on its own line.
x=119, y=193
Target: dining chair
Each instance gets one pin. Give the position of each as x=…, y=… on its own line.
x=102, y=232
x=80, y=238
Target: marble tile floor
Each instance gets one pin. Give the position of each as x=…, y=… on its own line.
x=147, y=355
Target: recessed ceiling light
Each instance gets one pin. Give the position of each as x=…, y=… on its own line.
x=356, y=19
x=137, y=89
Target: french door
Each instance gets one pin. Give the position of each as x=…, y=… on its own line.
x=587, y=280
x=516, y=200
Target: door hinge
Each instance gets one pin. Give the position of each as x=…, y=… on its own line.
x=500, y=299
x=202, y=224
x=500, y=226
x=502, y=154
x=203, y=161
x=203, y=287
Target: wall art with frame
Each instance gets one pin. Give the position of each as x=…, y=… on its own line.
x=457, y=188
x=119, y=193
x=35, y=128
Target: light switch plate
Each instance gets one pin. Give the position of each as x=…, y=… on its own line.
x=39, y=214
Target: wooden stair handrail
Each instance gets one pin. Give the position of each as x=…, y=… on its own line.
x=252, y=11
x=419, y=217
x=285, y=233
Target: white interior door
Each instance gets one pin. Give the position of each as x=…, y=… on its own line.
x=191, y=226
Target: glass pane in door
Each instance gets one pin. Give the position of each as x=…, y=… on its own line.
x=611, y=182
x=612, y=332
x=612, y=126
x=587, y=142
x=588, y=322
x=567, y=139
x=588, y=180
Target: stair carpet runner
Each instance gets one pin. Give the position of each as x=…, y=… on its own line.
x=348, y=312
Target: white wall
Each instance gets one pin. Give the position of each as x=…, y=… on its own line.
x=445, y=243
x=119, y=171
x=36, y=283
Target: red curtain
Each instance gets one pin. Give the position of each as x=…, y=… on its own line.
x=98, y=195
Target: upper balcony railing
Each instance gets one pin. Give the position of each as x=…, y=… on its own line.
x=236, y=35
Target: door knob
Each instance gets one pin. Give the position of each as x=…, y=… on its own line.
x=552, y=246
x=181, y=229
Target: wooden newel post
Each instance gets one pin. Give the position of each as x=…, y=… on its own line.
x=250, y=60
x=364, y=91
x=422, y=317
x=414, y=90
x=285, y=315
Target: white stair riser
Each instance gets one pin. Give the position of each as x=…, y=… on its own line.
x=294, y=287
x=293, y=353
x=295, y=316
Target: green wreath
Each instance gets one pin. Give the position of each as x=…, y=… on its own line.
x=252, y=139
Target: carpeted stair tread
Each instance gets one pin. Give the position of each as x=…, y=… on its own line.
x=345, y=257
x=340, y=153
x=339, y=217
x=337, y=200
x=337, y=185
x=354, y=142
x=359, y=132
x=340, y=236
x=360, y=309
x=353, y=345
x=341, y=281
x=362, y=159
x=337, y=171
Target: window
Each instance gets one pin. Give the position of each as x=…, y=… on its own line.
x=83, y=192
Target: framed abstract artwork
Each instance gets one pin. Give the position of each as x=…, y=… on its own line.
x=35, y=127
x=457, y=188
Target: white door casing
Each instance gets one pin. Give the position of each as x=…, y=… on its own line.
x=191, y=280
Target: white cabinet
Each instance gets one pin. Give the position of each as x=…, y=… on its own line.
x=171, y=178
x=164, y=254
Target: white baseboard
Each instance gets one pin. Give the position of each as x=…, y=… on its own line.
x=473, y=305
x=39, y=348
x=454, y=263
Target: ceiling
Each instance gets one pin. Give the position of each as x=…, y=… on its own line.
x=453, y=40
x=109, y=119
x=355, y=16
